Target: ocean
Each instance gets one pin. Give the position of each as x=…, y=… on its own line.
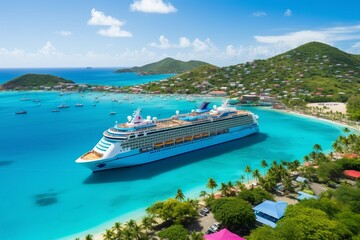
x=46, y=195
x=94, y=76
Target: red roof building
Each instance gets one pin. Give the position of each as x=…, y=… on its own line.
x=353, y=174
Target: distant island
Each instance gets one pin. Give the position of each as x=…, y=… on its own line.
x=165, y=66
x=314, y=72
x=34, y=80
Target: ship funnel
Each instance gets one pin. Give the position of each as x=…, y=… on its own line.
x=129, y=118
x=177, y=112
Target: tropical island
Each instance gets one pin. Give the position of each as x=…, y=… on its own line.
x=35, y=81
x=165, y=66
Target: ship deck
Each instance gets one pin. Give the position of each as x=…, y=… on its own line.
x=91, y=156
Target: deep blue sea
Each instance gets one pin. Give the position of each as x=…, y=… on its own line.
x=45, y=195
x=95, y=76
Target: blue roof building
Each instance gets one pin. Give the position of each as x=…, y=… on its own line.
x=269, y=212
x=303, y=195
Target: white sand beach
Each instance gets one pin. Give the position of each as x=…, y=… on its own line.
x=330, y=106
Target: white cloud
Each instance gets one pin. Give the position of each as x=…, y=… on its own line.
x=48, y=49
x=288, y=13
x=152, y=6
x=98, y=18
x=163, y=43
x=259, y=14
x=230, y=51
x=326, y=35
x=184, y=42
x=356, y=45
x=64, y=33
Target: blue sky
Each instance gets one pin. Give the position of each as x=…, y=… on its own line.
x=110, y=33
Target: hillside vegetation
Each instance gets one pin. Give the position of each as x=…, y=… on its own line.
x=313, y=71
x=34, y=80
x=167, y=65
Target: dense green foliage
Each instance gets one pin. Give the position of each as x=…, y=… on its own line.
x=173, y=210
x=346, y=163
x=314, y=72
x=175, y=232
x=167, y=65
x=353, y=108
x=233, y=213
x=34, y=80
x=255, y=196
x=330, y=171
x=348, y=144
x=334, y=216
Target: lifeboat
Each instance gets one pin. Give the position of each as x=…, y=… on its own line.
x=205, y=134
x=158, y=145
x=169, y=142
x=179, y=140
x=197, y=136
x=189, y=138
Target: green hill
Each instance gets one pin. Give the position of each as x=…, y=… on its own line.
x=313, y=71
x=34, y=80
x=167, y=65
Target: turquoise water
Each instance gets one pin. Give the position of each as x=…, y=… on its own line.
x=45, y=195
x=95, y=76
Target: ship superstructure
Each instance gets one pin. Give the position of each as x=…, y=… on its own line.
x=140, y=141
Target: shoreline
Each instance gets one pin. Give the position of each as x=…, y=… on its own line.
x=343, y=124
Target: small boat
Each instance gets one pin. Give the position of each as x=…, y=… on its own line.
x=55, y=110
x=169, y=142
x=197, y=136
x=63, y=106
x=179, y=140
x=79, y=105
x=158, y=144
x=21, y=112
x=112, y=113
x=24, y=99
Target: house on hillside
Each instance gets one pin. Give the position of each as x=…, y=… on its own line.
x=269, y=212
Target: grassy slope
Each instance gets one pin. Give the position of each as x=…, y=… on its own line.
x=34, y=80
x=309, y=67
x=167, y=65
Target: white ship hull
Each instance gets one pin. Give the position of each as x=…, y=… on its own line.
x=129, y=158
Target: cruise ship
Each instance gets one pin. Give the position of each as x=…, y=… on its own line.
x=144, y=140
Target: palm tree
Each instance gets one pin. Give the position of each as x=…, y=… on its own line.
x=346, y=130
x=117, y=229
x=89, y=237
x=108, y=235
x=211, y=184
x=287, y=184
x=239, y=185
x=203, y=194
x=147, y=222
x=296, y=164
x=317, y=148
x=264, y=165
x=223, y=189
x=256, y=174
x=242, y=178
x=248, y=171
x=180, y=195
x=230, y=186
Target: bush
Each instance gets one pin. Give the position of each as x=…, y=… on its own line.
x=175, y=232
x=255, y=196
x=234, y=213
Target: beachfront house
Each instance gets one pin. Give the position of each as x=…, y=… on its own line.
x=304, y=195
x=269, y=212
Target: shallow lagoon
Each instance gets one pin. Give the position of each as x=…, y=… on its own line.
x=45, y=195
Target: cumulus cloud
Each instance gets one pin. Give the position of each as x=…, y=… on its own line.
x=64, y=33
x=326, y=35
x=48, y=49
x=184, y=42
x=288, y=13
x=356, y=45
x=98, y=18
x=259, y=14
x=152, y=6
